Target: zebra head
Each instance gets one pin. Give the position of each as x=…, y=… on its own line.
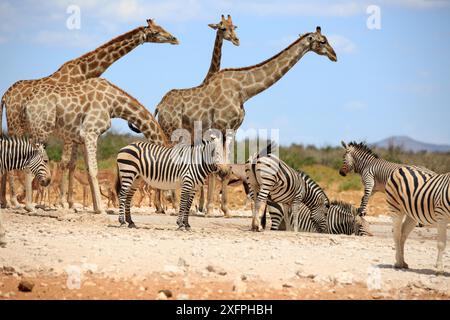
x=362, y=227
x=348, y=161
x=356, y=157
x=38, y=165
x=319, y=213
x=214, y=158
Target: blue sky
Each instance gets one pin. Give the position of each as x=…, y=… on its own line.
x=391, y=81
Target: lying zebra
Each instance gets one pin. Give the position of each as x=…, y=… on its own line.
x=342, y=218
x=271, y=179
x=374, y=171
x=415, y=195
x=21, y=154
x=166, y=168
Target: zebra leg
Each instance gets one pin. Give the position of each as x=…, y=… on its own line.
x=397, y=227
x=407, y=226
x=187, y=195
x=129, y=197
x=124, y=200
x=369, y=183
x=441, y=243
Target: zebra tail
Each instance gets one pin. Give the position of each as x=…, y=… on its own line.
x=118, y=185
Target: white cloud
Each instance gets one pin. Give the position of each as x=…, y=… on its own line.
x=342, y=44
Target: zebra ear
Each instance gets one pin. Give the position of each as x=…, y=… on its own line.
x=344, y=144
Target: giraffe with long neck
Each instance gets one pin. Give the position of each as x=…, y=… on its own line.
x=225, y=30
x=219, y=102
x=90, y=65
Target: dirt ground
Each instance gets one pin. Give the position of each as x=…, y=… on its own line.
x=79, y=255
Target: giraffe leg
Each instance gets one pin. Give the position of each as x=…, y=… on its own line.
x=72, y=166
x=3, y=203
x=201, y=201
x=90, y=156
x=28, y=191
x=211, y=189
x=12, y=192
x=158, y=201
x=2, y=232
x=224, y=200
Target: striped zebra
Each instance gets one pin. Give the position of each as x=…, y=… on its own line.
x=21, y=154
x=166, y=168
x=374, y=171
x=414, y=195
x=271, y=179
x=342, y=218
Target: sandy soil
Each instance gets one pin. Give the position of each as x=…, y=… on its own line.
x=69, y=255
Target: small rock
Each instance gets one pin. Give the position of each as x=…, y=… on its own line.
x=288, y=285
x=167, y=293
x=161, y=296
x=217, y=270
x=26, y=286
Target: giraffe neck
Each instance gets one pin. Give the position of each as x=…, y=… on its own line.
x=94, y=63
x=216, y=56
x=259, y=77
x=128, y=108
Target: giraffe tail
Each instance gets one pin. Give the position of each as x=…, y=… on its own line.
x=133, y=127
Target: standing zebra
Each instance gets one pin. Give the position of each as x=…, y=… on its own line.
x=374, y=171
x=166, y=168
x=421, y=197
x=342, y=218
x=271, y=179
x=20, y=154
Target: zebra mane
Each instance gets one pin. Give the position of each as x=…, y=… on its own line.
x=345, y=206
x=363, y=147
x=307, y=177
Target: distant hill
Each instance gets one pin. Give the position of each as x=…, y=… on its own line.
x=409, y=144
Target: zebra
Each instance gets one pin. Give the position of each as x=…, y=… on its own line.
x=167, y=168
x=374, y=171
x=415, y=195
x=342, y=218
x=271, y=179
x=19, y=154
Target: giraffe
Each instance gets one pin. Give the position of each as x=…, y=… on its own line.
x=79, y=113
x=90, y=65
x=225, y=30
x=219, y=102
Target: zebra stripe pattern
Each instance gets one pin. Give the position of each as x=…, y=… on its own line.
x=19, y=154
x=166, y=168
x=270, y=178
x=421, y=197
x=342, y=218
x=374, y=171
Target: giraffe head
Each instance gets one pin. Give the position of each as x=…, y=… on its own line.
x=319, y=44
x=227, y=28
x=155, y=33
